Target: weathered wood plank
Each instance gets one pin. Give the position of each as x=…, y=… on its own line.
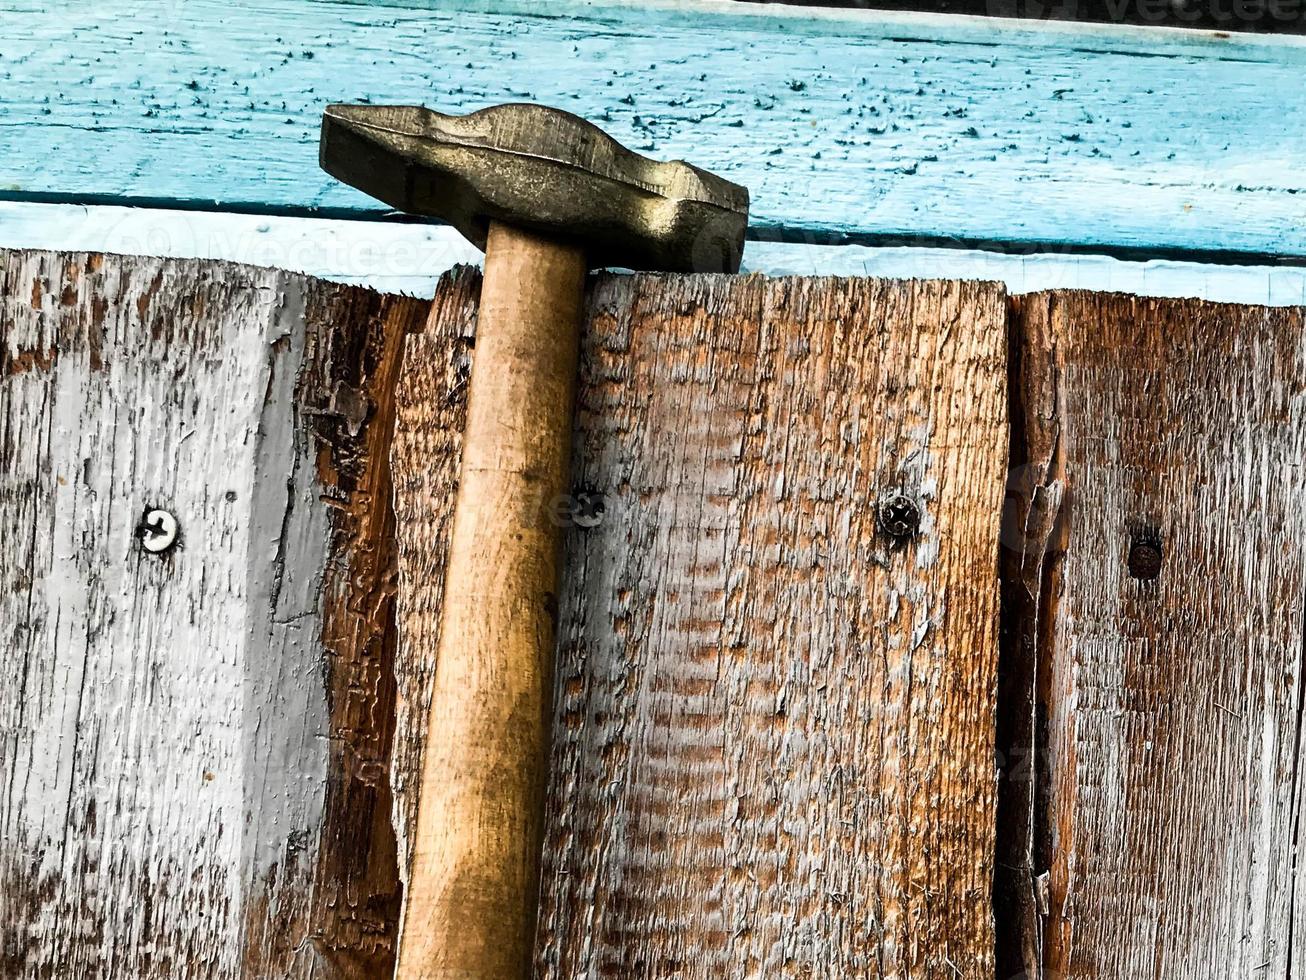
x=1173, y=705
x=194, y=745
x=774, y=729
x=882, y=127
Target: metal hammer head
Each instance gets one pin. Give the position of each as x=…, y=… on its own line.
x=544, y=170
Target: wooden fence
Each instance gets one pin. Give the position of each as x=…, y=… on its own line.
x=1055, y=731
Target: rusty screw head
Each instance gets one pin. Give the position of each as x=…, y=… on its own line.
x=1145, y=555
x=899, y=516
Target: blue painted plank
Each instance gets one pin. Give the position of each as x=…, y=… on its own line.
x=857, y=126
x=409, y=258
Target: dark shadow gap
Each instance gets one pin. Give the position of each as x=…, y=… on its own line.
x=1243, y=16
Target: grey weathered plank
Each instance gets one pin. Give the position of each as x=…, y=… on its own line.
x=774, y=730
x=1171, y=757
x=193, y=747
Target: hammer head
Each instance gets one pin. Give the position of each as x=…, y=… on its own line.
x=544, y=170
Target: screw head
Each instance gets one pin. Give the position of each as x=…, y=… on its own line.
x=899, y=515
x=1145, y=555
x=587, y=509
x=157, y=531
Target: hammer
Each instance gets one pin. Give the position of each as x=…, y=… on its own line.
x=547, y=195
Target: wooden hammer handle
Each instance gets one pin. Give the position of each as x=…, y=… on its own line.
x=470, y=910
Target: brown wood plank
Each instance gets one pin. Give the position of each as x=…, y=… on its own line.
x=193, y=747
x=774, y=728
x=1173, y=705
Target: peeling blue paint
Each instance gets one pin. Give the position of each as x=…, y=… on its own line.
x=857, y=127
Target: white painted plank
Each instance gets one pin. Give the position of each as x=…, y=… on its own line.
x=878, y=126
x=130, y=762
x=409, y=258
x=394, y=258
x=185, y=789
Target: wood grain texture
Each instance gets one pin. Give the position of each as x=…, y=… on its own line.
x=425, y=457
x=193, y=747
x=1173, y=706
x=774, y=729
x=849, y=125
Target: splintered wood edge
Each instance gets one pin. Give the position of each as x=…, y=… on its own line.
x=1144, y=650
